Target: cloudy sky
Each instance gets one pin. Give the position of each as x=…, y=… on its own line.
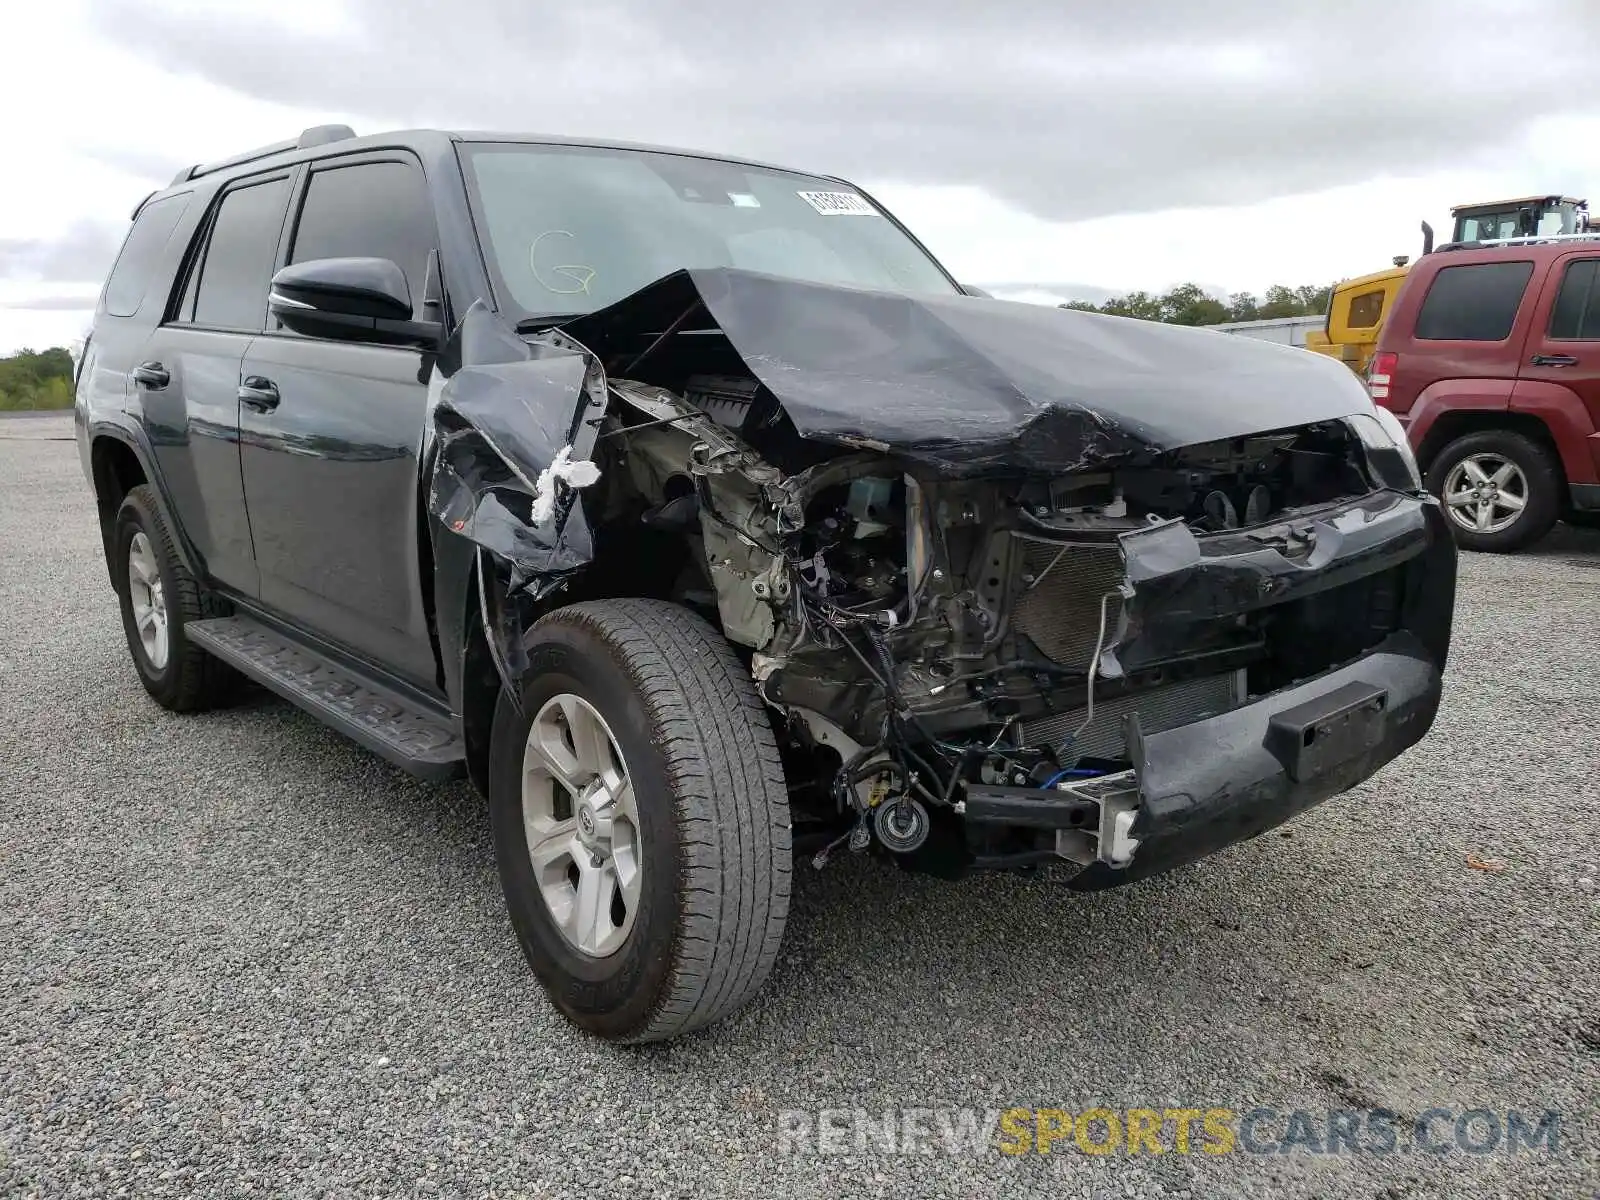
x=1056, y=146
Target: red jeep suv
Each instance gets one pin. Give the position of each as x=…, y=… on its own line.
x=1491, y=360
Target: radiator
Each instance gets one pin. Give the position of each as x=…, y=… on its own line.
x=1060, y=614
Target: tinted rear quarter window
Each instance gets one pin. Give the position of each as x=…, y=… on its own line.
x=1477, y=302
x=1576, y=314
x=1366, y=310
x=141, y=253
x=369, y=210
x=239, y=256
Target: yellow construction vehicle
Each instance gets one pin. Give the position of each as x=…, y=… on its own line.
x=1356, y=309
x=1357, y=306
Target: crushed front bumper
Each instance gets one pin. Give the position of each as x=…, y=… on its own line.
x=1198, y=787
x=1222, y=780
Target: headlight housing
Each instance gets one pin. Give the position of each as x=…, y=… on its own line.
x=1389, y=451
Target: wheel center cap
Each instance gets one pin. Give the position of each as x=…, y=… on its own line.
x=594, y=819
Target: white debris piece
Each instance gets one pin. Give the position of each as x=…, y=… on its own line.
x=578, y=474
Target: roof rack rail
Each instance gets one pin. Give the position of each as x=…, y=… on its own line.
x=317, y=135
x=1531, y=240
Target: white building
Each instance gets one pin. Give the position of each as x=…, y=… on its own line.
x=1286, y=331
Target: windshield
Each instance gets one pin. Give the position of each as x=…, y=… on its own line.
x=1488, y=227
x=569, y=229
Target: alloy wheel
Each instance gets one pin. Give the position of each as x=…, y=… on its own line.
x=149, y=601
x=581, y=820
x=1485, y=493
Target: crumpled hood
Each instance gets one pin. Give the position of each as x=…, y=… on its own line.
x=970, y=384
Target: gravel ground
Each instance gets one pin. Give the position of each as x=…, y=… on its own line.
x=240, y=956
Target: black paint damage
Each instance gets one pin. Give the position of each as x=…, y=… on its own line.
x=963, y=385
x=966, y=400
x=969, y=385
x=1178, y=582
x=508, y=410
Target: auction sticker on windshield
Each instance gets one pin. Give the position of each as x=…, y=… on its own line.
x=838, y=204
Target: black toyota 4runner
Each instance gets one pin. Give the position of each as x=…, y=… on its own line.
x=697, y=514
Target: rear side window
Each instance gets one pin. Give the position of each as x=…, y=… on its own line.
x=1366, y=310
x=237, y=268
x=371, y=210
x=1474, y=303
x=141, y=253
x=1576, y=315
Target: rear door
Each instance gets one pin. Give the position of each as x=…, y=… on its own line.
x=1564, y=347
x=331, y=468
x=191, y=385
x=129, y=310
x=1470, y=323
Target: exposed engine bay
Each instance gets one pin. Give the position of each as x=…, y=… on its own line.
x=974, y=616
x=934, y=643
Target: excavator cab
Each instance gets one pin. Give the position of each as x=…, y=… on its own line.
x=1528, y=217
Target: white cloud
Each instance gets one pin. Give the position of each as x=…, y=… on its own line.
x=1007, y=174
x=27, y=329
x=1310, y=238
x=98, y=137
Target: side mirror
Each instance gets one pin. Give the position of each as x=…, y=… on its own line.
x=355, y=298
x=973, y=289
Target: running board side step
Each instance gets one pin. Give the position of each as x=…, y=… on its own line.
x=399, y=729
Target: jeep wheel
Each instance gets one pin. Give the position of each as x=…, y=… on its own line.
x=159, y=598
x=1501, y=490
x=640, y=820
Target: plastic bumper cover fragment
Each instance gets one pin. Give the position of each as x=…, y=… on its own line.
x=1180, y=581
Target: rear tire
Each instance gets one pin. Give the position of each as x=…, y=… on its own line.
x=159, y=598
x=677, y=720
x=1480, y=476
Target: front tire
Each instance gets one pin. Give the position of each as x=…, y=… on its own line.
x=1501, y=490
x=640, y=820
x=159, y=598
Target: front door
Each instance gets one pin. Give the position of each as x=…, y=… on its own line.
x=1563, y=348
x=331, y=436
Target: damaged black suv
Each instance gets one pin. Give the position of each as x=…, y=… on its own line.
x=696, y=513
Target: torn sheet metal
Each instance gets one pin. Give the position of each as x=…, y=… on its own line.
x=968, y=384
x=513, y=441
x=514, y=428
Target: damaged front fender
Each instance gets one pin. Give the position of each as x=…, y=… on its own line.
x=512, y=443
x=514, y=426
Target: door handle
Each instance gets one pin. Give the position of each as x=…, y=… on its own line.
x=259, y=394
x=151, y=375
x=1553, y=360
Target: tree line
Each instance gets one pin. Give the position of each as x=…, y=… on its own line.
x=1191, y=304
x=35, y=379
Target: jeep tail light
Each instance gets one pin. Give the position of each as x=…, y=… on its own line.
x=1380, y=374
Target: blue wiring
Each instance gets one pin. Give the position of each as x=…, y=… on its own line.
x=1062, y=774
